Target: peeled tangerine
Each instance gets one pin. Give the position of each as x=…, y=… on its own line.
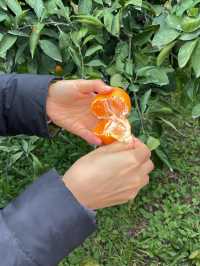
x=112, y=110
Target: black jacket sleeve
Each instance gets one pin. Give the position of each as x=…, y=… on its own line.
x=42, y=225
x=23, y=104
x=46, y=222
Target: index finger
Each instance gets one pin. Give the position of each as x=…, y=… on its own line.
x=89, y=86
x=137, y=156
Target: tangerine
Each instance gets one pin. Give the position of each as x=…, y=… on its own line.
x=115, y=102
x=101, y=131
x=59, y=70
x=112, y=109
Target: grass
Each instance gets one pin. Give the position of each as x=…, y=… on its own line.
x=160, y=227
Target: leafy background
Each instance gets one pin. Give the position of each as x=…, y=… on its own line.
x=152, y=50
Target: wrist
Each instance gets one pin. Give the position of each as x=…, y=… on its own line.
x=76, y=191
x=52, y=127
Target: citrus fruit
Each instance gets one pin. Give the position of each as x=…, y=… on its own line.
x=59, y=70
x=111, y=130
x=101, y=131
x=111, y=110
x=116, y=102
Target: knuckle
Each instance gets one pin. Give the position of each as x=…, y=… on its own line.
x=146, y=180
x=150, y=166
x=147, y=152
x=132, y=195
x=136, y=182
x=134, y=159
x=125, y=198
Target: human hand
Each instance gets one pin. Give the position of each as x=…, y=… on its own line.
x=68, y=106
x=110, y=175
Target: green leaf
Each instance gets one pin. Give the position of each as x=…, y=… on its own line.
x=64, y=9
x=153, y=143
x=18, y=33
x=96, y=63
x=37, y=6
x=15, y=7
x=85, y=7
x=174, y=21
x=143, y=37
x=15, y=157
x=77, y=36
x=195, y=255
x=170, y=124
x=116, y=80
x=112, y=23
x=185, y=53
x=1, y=36
x=75, y=57
x=190, y=36
x=88, y=39
x=108, y=21
x=34, y=38
x=129, y=67
x=88, y=20
x=164, y=36
x=51, y=7
x=196, y=60
x=190, y=24
x=64, y=40
x=134, y=88
x=3, y=17
x=190, y=88
x=153, y=75
x=137, y=3
x=164, y=53
x=93, y=49
x=6, y=43
x=163, y=157
x=184, y=5
x=100, y=2
x=193, y=12
x=196, y=111
x=20, y=52
x=37, y=165
x=3, y=5
x=144, y=100
x=50, y=33
x=51, y=50
x=116, y=24
x=4, y=149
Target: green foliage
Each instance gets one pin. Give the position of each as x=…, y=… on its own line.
x=151, y=49
x=160, y=227
x=138, y=45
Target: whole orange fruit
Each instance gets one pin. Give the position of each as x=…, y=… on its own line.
x=59, y=70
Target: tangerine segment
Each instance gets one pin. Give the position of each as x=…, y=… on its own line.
x=101, y=131
x=111, y=130
x=116, y=102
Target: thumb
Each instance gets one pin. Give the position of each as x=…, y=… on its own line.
x=138, y=143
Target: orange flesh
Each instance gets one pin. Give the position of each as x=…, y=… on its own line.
x=101, y=132
x=117, y=102
x=111, y=110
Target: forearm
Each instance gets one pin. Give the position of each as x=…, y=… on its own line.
x=43, y=225
x=23, y=104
